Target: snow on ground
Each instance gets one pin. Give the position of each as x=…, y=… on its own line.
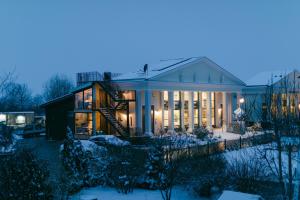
x=258, y=152
x=100, y=192
x=109, y=139
x=230, y=195
x=220, y=134
x=183, y=140
x=12, y=147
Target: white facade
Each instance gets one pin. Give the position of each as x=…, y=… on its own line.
x=182, y=94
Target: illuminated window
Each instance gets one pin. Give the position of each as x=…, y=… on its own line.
x=204, y=108
x=196, y=108
x=177, y=109
x=20, y=119
x=84, y=99
x=2, y=118
x=83, y=123
x=186, y=109
x=166, y=113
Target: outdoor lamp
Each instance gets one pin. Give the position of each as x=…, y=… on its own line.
x=299, y=106
x=242, y=100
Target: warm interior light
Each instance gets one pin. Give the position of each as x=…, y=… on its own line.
x=242, y=100
x=219, y=111
x=299, y=106
x=20, y=119
x=2, y=118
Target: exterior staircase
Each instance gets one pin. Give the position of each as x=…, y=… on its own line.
x=109, y=110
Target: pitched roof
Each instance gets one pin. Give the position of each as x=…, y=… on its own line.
x=58, y=99
x=167, y=65
x=268, y=77
x=156, y=69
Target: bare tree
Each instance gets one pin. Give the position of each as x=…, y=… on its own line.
x=5, y=80
x=16, y=97
x=57, y=86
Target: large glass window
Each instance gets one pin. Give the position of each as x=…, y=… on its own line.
x=83, y=123
x=79, y=100
x=88, y=99
x=166, y=113
x=186, y=109
x=196, y=108
x=177, y=109
x=84, y=99
x=129, y=95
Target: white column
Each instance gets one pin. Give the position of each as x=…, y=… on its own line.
x=162, y=106
x=182, y=110
x=224, y=110
x=138, y=112
x=191, y=112
x=200, y=109
x=238, y=96
x=148, y=96
x=209, y=114
x=171, y=111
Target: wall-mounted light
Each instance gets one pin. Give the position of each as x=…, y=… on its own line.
x=242, y=100
x=220, y=111
x=299, y=106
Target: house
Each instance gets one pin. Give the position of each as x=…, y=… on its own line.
x=270, y=89
x=173, y=95
x=18, y=119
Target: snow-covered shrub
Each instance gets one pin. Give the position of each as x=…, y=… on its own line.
x=84, y=162
x=125, y=168
x=201, y=132
x=162, y=166
x=23, y=176
x=152, y=167
x=105, y=140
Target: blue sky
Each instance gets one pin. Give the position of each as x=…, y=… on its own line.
x=40, y=38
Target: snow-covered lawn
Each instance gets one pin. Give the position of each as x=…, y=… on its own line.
x=179, y=193
x=221, y=134
x=260, y=152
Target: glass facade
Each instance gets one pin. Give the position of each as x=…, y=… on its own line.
x=177, y=109
x=83, y=123
x=166, y=113
x=84, y=99
x=196, y=109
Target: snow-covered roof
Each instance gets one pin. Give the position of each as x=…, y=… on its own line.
x=164, y=66
x=229, y=195
x=156, y=69
x=268, y=77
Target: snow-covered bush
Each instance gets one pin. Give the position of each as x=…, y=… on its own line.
x=152, y=167
x=126, y=167
x=23, y=176
x=84, y=162
x=105, y=140
x=201, y=132
x=162, y=166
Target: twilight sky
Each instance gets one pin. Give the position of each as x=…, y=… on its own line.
x=40, y=38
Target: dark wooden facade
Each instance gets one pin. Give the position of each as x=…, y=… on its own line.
x=59, y=115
